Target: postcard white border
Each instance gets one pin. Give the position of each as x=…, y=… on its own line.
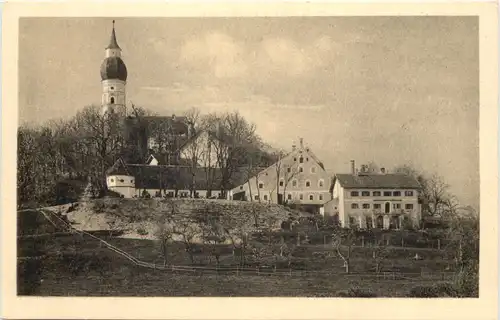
x=249, y=308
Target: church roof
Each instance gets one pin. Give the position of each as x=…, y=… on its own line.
x=113, y=44
x=113, y=68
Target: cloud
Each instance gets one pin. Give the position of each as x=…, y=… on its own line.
x=219, y=52
x=223, y=57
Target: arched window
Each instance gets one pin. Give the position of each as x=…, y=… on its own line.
x=311, y=197
x=301, y=169
x=301, y=159
x=308, y=183
x=112, y=100
x=313, y=169
x=321, y=183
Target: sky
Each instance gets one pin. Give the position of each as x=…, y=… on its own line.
x=392, y=90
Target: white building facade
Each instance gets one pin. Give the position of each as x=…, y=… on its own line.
x=384, y=201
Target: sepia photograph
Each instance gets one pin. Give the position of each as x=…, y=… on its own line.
x=333, y=156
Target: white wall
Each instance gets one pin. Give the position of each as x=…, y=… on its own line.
x=361, y=214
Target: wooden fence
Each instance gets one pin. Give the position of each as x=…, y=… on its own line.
x=54, y=219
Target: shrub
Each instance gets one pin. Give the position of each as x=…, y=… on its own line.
x=356, y=293
x=434, y=291
x=142, y=232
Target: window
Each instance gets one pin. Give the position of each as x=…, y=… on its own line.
x=295, y=159
x=289, y=197
x=112, y=88
x=307, y=159
x=265, y=197
x=121, y=180
x=301, y=169
x=311, y=197
x=321, y=183
x=387, y=193
x=366, y=206
x=408, y=193
x=294, y=183
x=241, y=187
x=396, y=193
x=365, y=193
x=112, y=180
x=409, y=206
x=301, y=159
x=256, y=197
x=288, y=170
x=301, y=196
x=112, y=100
x=320, y=197
x=377, y=206
x=282, y=182
x=354, y=193
x=313, y=170
x=376, y=193
x=132, y=181
x=354, y=206
x=261, y=185
x=308, y=183
x=396, y=205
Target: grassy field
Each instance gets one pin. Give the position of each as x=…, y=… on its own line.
x=78, y=266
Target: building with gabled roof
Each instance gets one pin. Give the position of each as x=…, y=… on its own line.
x=135, y=180
x=375, y=200
x=299, y=178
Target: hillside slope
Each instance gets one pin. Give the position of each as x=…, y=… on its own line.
x=142, y=218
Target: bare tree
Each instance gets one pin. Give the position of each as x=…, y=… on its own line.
x=380, y=253
x=343, y=243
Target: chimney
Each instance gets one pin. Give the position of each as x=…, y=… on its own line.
x=353, y=167
x=301, y=143
x=382, y=170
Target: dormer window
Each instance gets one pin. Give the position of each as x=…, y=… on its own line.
x=301, y=159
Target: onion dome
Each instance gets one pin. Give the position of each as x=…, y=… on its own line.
x=113, y=68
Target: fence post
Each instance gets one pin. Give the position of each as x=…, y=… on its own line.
x=439, y=244
x=402, y=242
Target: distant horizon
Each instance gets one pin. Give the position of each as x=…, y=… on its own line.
x=392, y=90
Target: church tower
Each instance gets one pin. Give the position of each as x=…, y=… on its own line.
x=113, y=78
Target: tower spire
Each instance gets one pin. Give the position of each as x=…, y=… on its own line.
x=112, y=43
